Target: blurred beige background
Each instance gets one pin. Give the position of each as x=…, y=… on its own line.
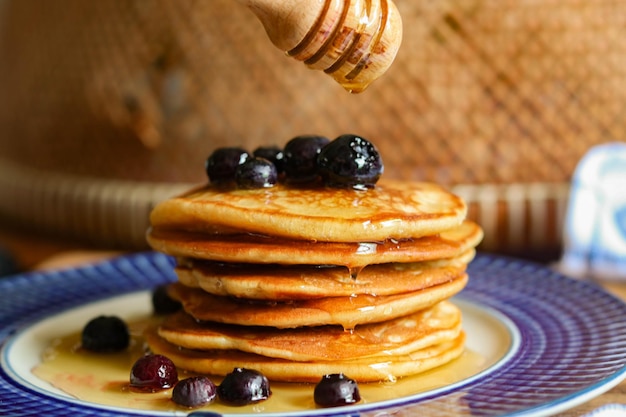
x=109, y=106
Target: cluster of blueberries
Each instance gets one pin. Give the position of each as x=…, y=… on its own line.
x=154, y=372
x=348, y=161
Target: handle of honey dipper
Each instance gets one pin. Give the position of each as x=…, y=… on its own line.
x=307, y=31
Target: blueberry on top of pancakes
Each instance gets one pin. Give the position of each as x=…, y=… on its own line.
x=300, y=157
x=256, y=173
x=220, y=166
x=350, y=161
x=272, y=153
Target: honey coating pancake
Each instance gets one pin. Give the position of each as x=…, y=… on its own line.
x=370, y=369
x=391, y=210
x=270, y=250
x=400, y=336
x=278, y=282
x=344, y=311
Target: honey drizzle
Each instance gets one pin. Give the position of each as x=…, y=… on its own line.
x=354, y=271
x=103, y=379
x=362, y=248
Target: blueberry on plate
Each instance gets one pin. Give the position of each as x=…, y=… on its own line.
x=8, y=263
x=105, y=334
x=244, y=386
x=162, y=303
x=152, y=373
x=335, y=390
x=194, y=392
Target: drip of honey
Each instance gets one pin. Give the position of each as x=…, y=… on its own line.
x=104, y=378
x=354, y=271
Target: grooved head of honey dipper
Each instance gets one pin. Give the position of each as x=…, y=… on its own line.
x=375, y=50
x=354, y=41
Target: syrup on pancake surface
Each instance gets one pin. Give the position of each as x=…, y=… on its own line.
x=255, y=249
x=391, y=210
x=302, y=273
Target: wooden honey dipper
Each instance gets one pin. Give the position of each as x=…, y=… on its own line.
x=354, y=41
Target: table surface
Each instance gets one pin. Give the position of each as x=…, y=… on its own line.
x=36, y=253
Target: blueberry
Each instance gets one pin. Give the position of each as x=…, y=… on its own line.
x=221, y=164
x=273, y=154
x=350, y=161
x=256, y=173
x=300, y=157
x=162, y=303
x=153, y=373
x=105, y=334
x=244, y=386
x=194, y=392
x=335, y=390
x=8, y=263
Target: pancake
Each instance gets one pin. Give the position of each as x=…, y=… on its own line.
x=344, y=311
x=391, y=210
x=280, y=283
x=370, y=369
x=400, y=336
x=248, y=248
x=298, y=282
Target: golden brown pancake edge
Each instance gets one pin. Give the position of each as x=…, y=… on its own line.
x=345, y=311
x=399, y=336
x=270, y=250
x=293, y=282
x=393, y=209
x=372, y=369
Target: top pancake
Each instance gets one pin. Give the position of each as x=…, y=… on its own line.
x=391, y=210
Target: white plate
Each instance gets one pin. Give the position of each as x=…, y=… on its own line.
x=550, y=342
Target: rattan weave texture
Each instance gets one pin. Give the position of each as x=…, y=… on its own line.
x=483, y=92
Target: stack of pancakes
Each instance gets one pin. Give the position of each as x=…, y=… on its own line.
x=301, y=282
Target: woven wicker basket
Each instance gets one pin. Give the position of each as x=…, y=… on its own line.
x=109, y=106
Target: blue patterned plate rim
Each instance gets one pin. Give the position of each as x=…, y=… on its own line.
x=571, y=344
